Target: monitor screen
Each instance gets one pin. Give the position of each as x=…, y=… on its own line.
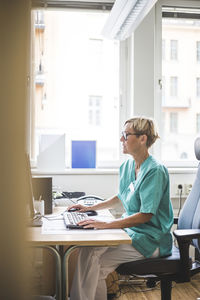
x=33, y=219
x=42, y=188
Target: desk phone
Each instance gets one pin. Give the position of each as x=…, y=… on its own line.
x=89, y=200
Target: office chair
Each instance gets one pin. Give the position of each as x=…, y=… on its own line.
x=177, y=267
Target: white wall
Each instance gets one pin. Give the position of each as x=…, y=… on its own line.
x=105, y=183
x=101, y=185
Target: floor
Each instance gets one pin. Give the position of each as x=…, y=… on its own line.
x=139, y=291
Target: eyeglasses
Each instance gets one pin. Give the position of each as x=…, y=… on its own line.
x=126, y=134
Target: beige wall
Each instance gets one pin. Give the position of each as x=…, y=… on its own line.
x=14, y=28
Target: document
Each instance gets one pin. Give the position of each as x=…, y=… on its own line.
x=57, y=226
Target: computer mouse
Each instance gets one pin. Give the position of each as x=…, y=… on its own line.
x=91, y=212
x=73, y=209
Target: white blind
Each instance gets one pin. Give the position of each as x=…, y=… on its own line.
x=102, y=5
x=125, y=16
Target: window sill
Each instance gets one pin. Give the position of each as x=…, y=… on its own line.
x=105, y=171
x=77, y=172
x=182, y=170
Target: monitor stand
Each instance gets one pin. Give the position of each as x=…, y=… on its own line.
x=35, y=222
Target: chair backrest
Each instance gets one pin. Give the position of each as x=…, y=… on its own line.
x=190, y=213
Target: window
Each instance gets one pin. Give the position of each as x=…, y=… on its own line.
x=76, y=82
x=182, y=83
x=198, y=50
x=198, y=123
x=174, y=50
x=173, y=86
x=198, y=87
x=95, y=110
x=173, y=122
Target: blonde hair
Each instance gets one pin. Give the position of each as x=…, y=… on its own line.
x=144, y=125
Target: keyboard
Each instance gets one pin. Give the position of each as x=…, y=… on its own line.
x=72, y=218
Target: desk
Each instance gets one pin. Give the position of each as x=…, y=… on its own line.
x=37, y=239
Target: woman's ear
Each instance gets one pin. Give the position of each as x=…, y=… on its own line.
x=143, y=138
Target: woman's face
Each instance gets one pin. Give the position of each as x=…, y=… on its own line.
x=133, y=144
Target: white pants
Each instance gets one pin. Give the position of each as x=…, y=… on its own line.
x=93, y=266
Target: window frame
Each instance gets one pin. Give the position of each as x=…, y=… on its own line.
x=128, y=101
x=158, y=75
x=125, y=76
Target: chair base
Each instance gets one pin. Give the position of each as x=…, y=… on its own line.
x=166, y=288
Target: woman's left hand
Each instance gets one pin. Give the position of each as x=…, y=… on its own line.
x=91, y=223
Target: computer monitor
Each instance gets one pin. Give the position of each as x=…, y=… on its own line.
x=42, y=188
x=33, y=218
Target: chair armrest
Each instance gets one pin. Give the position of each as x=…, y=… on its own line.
x=186, y=234
x=184, y=238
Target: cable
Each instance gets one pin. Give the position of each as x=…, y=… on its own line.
x=51, y=218
x=54, y=218
x=136, y=287
x=180, y=187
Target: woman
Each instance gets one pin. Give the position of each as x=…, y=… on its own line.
x=148, y=217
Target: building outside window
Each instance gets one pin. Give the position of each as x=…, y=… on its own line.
x=173, y=86
x=198, y=87
x=174, y=49
x=95, y=110
x=182, y=85
x=77, y=63
x=173, y=122
x=198, y=123
x=198, y=51
x=78, y=94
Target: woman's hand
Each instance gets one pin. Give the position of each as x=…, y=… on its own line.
x=81, y=208
x=91, y=223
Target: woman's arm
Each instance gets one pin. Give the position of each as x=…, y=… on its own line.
x=131, y=221
x=106, y=204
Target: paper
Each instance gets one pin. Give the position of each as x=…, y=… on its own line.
x=57, y=226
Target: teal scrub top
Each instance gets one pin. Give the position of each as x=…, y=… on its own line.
x=149, y=193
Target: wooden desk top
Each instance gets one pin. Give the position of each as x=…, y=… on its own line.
x=35, y=237
x=86, y=238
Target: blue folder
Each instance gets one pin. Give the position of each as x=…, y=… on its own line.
x=83, y=154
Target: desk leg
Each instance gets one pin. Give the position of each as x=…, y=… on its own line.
x=58, y=269
x=65, y=262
